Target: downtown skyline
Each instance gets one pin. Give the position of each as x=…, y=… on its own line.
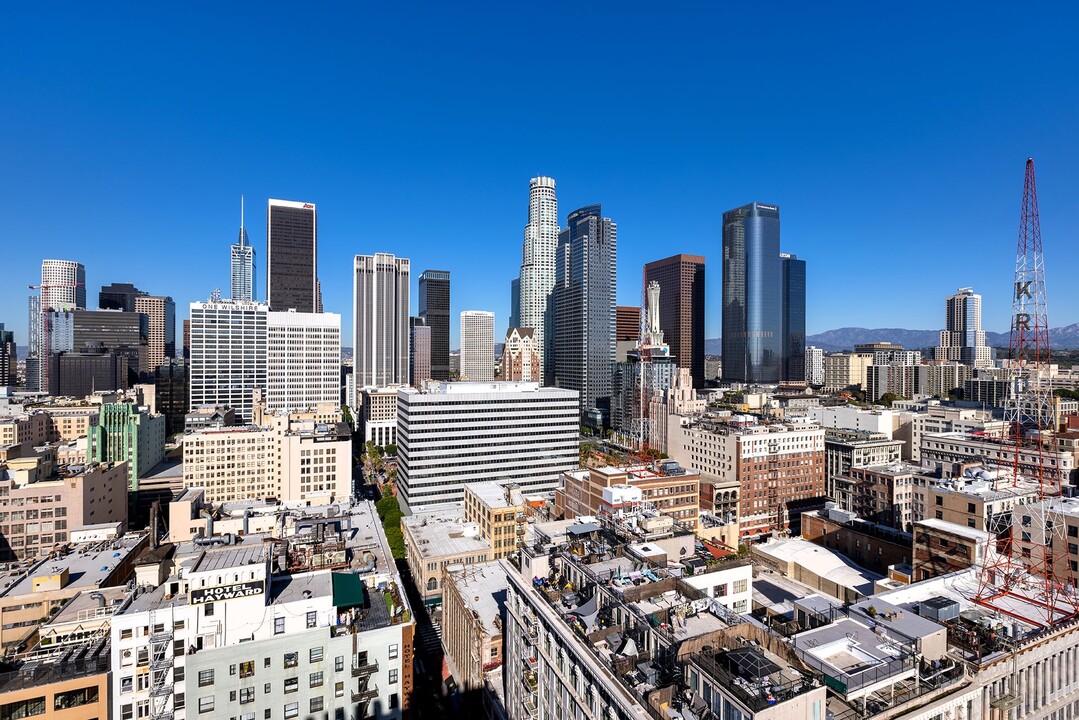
x=921, y=165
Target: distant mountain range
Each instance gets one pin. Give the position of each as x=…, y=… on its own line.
x=1062, y=338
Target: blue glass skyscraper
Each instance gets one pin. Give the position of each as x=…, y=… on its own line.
x=763, y=300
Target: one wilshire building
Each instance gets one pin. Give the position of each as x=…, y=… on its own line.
x=763, y=300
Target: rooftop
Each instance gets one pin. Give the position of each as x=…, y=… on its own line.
x=444, y=533
x=88, y=565
x=822, y=562
x=483, y=588
x=955, y=529
x=489, y=493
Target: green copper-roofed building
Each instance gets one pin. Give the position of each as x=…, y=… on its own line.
x=127, y=432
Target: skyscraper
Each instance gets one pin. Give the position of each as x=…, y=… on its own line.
x=681, y=309
x=160, y=312
x=515, y=302
x=963, y=339
x=794, y=318
x=419, y=351
x=118, y=296
x=8, y=357
x=520, y=358
x=477, y=345
x=538, y=262
x=63, y=287
x=228, y=354
x=303, y=360
x=763, y=300
x=583, y=302
x=242, y=264
x=291, y=256
x=435, y=311
x=380, y=302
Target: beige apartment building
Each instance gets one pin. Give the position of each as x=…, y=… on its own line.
x=499, y=512
x=42, y=502
x=844, y=370
x=667, y=486
x=472, y=600
x=981, y=499
x=437, y=540
x=287, y=458
x=160, y=315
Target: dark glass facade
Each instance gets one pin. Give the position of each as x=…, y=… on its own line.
x=118, y=296
x=752, y=295
x=291, y=252
x=435, y=311
x=794, y=318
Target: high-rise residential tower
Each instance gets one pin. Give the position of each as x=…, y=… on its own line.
x=794, y=318
x=538, y=262
x=419, y=351
x=291, y=256
x=435, y=311
x=681, y=309
x=8, y=357
x=583, y=301
x=160, y=312
x=242, y=264
x=963, y=340
x=477, y=345
x=763, y=300
x=380, y=302
x=63, y=287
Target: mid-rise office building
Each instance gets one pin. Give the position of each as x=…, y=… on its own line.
x=419, y=351
x=951, y=452
x=845, y=449
x=118, y=296
x=473, y=605
x=378, y=414
x=171, y=394
x=477, y=345
x=380, y=316
x=584, y=311
x=666, y=487
x=763, y=300
x=538, y=273
x=455, y=433
x=286, y=457
x=681, y=309
x=627, y=330
x=434, y=291
x=242, y=265
x=291, y=256
x=521, y=357
x=94, y=369
x=962, y=339
x=499, y=511
x=160, y=315
x=303, y=360
x=228, y=354
x=776, y=466
x=127, y=433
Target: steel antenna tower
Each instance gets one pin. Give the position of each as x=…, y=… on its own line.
x=1027, y=575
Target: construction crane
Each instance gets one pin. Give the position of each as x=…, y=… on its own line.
x=44, y=339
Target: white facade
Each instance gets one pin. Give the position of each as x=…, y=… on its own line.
x=538, y=258
x=477, y=345
x=228, y=354
x=962, y=339
x=63, y=285
x=303, y=365
x=814, y=365
x=455, y=433
x=242, y=267
x=852, y=417
x=380, y=307
x=731, y=587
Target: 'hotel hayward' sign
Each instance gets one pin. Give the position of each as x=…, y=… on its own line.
x=226, y=592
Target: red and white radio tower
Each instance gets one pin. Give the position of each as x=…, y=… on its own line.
x=1028, y=576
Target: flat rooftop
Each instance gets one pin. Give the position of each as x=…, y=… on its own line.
x=444, y=533
x=83, y=606
x=956, y=529
x=483, y=588
x=490, y=494
x=88, y=565
x=225, y=557
x=824, y=563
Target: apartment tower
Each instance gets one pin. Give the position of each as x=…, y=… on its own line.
x=291, y=256
x=963, y=340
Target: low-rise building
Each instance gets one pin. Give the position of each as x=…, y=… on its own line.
x=893, y=494
x=473, y=605
x=820, y=568
x=846, y=449
x=940, y=547
x=871, y=545
x=378, y=413
x=437, y=540
x=666, y=486
x=500, y=513
x=953, y=451
x=209, y=417
x=980, y=498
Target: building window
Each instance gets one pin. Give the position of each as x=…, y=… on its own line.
x=316, y=704
x=292, y=659
x=393, y=701
x=125, y=684
x=292, y=685
x=315, y=655
x=247, y=695
x=206, y=704
x=393, y=652
x=393, y=675
x=740, y=586
x=127, y=712
x=311, y=619
x=292, y=710
x=206, y=677
x=316, y=679
x=339, y=663
x=208, y=610
x=279, y=626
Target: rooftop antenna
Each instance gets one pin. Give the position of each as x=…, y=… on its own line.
x=243, y=235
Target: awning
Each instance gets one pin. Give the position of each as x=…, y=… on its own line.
x=348, y=591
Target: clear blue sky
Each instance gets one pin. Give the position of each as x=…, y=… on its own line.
x=893, y=137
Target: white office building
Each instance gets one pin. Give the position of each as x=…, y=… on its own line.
x=303, y=363
x=228, y=354
x=455, y=433
x=477, y=345
x=380, y=298
x=814, y=365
